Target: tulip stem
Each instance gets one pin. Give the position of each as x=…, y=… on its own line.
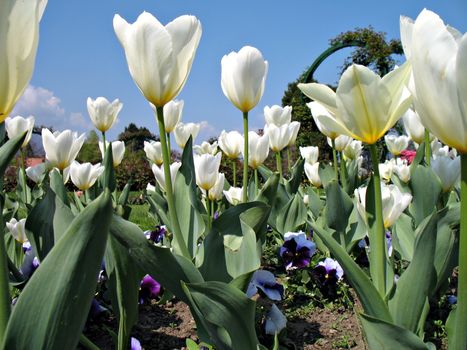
x=334, y=159
x=245, y=158
x=377, y=239
x=169, y=146
x=460, y=326
x=209, y=210
x=175, y=225
x=427, y=148
x=23, y=178
x=256, y=182
x=234, y=168
x=5, y=301
x=104, y=144
x=279, y=164
x=288, y=160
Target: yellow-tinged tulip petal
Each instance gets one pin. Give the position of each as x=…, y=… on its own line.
x=322, y=93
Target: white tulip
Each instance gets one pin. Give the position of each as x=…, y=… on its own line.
x=17, y=229
x=243, y=77
x=279, y=136
x=231, y=143
x=159, y=58
x=103, y=113
x=205, y=148
x=234, y=195
x=394, y=203
x=217, y=191
x=36, y=173
x=386, y=169
x=150, y=188
x=402, y=170
x=353, y=150
x=17, y=126
x=448, y=170
x=118, y=151
x=306, y=199
x=160, y=177
x=340, y=142
x=258, y=149
x=294, y=127
x=61, y=148
x=207, y=170
x=364, y=106
x=438, y=55
x=312, y=173
x=319, y=111
x=153, y=150
x=183, y=132
x=413, y=126
x=310, y=154
x=278, y=115
x=396, y=144
x=172, y=114
x=85, y=175
x=19, y=37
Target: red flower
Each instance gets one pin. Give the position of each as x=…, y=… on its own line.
x=408, y=155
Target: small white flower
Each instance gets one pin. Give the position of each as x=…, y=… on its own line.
x=310, y=154
x=160, y=177
x=216, y=192
x=184, y=131
x=207, y=170
x=19, y=125
x=85, y=175
x=312, y=173
x=61, y=148
x=278, y=115
x=234, y=195
x=231, y=143
x=17, y=229
x=279, y=136
x=258, y=149
x=205, y=148
x=153, y=150
x=103, y=113
x=118, y=151
x=340, y=142
x=396, y=144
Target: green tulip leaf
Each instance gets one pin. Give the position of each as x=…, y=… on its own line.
x=292, y=215
x=7, y=152
x=383, y=335
x=59, y=294
x=326, y=173
x=403, y=237
x=109, y=172
x=293, y=184
x=338, y=208
x=227, y=314
x=314, y=202
x=268, y=192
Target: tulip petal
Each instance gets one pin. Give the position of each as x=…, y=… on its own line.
x=322, y=94
x=461, y=72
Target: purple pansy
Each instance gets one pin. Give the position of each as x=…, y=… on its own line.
x=135, y=344
x=96, y=309
x=328, y=272
x=389, y=242
x=149, y=289
x=157, y=235
x=265, y=282
x=275, y=321
x=297, y=250
x=452, y=299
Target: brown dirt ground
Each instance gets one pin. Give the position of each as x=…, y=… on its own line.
x=167, y=326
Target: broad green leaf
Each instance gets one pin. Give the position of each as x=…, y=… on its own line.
x=419, y=157
x=241, y=282
x=281, y=201
x=158, y=208
x=314, y=202
x=124, y=280
x=338, y=208
x=163, y=265
x=326, y=173
x=403, y=237
x=268, y=192
x=293, y=184
x=292, y=215
x=414, y=286
x=265, y=172
x=109, y=172
x=370, y=298
x=228, y=315
x=383, y=335
x=426, y=189
x=59, y=294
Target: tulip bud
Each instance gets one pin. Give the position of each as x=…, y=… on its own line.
x=103, y=113
x=36, y=173
x=160, y=177
x=319, y=112
x=448, y=170
x=205, y=148
x=258, y=149
x=159, y=57
x=243, y=77
x=172, y=114
x=340, y=142
x=312, y=173
x=279, y=136
x=402, y=170
x=184, y=131
x=413, y=126
x=294, y=127
x=85, y=175
x=61, y=148
x=278, y=115
x=231, y=143
x=353, y=150
x=17, y=229
x=207, y=170
x=153, y=150
x=216, y=192
x=118, y=151
x=386, y=169
x=234, y=195
x=396, y=144
x=310, y=154
x=17, y=126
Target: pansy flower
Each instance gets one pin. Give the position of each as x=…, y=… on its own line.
x=149, y=289
x=265, y=282
x=297, y=250
x=328, y=272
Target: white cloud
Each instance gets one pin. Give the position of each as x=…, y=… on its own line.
x=48, y=110
x=206, y=131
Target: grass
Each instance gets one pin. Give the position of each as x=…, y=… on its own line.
x=141, y=217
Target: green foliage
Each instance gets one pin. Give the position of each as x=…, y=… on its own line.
x=136, y=167
x=134, y=137
x=90, y=152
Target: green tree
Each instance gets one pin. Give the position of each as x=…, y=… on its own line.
x=90, y=150
x=134, y=137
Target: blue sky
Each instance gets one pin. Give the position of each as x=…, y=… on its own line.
x=80, y=56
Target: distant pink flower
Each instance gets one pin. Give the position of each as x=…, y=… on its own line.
x=408, y=155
